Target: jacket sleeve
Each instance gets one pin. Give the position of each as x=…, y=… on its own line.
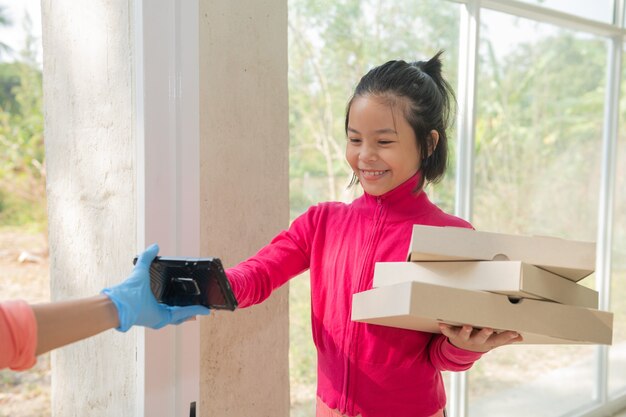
x=447, y=357
x=287, y=255
x=18, y=335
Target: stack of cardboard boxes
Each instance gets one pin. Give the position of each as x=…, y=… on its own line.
x=506, y=282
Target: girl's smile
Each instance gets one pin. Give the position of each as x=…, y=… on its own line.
x=372, y=175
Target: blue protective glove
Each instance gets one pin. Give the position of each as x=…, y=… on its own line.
x=137, y=306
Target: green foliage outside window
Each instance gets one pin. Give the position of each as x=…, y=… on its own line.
x=22, y=166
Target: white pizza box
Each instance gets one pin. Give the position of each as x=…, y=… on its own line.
x=571, y=259
x=420, y=306
x=512, y=278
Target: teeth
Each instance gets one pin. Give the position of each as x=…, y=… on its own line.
x=372, y=173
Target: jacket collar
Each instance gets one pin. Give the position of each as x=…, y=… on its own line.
x=401, y=203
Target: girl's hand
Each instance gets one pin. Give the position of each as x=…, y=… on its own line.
x=478, y=340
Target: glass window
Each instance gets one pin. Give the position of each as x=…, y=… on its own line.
x=600, y=10
x=617, y=352
x=330, y=48
x=331, y=45
x=540, y=98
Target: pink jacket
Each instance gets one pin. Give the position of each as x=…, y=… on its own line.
x=18, y=335
x=365, y=369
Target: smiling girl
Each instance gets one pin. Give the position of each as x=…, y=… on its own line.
x=396, y=125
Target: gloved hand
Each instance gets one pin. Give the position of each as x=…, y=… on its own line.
x=136, y=305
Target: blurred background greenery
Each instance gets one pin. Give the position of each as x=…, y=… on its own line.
x=23, y=220
x=22, y=165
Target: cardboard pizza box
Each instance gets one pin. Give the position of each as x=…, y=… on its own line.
x=420, y=306
x=571, y=259
x=512, y=278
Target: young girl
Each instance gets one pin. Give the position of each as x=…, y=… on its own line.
x=396, y=141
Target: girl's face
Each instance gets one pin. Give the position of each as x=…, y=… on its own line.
x=381, y=148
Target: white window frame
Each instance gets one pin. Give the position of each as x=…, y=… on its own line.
x=166, y=85
x=602, y=404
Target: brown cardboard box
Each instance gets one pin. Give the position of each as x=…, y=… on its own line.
x=419, y=306
x=512, y=278
x=571, y=259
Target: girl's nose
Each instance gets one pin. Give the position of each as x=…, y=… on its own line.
x=368, y=154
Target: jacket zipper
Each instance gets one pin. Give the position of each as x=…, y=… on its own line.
x=352, y=333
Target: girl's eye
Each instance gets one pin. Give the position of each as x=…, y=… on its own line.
x=354, y=140
x=385, y=142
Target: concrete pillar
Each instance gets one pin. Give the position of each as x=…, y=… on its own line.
x=90, y=157
x=244, y=198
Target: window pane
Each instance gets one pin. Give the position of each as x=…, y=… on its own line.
x=330, y=48
x=331, y=45
x=540, y=99
x=600, y=10
x=617, y=353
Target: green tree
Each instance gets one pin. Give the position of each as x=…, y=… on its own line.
x=538, y=135
x=5, y=21
x=22, y=167
x=9, y=80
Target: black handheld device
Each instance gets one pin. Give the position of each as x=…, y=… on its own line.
x=190, y=281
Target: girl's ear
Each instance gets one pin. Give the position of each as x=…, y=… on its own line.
x=433, y=140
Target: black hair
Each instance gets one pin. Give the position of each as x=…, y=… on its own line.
x=427, y=101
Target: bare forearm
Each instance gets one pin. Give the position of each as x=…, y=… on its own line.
x=64, y=322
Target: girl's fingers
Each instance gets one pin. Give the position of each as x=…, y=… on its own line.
x=505, y=338
x=446, y=330
x=465, y=333
x=461, y=334
x=480, y=340
x=482, y=336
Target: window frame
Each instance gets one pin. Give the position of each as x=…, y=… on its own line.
x=468, y=51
